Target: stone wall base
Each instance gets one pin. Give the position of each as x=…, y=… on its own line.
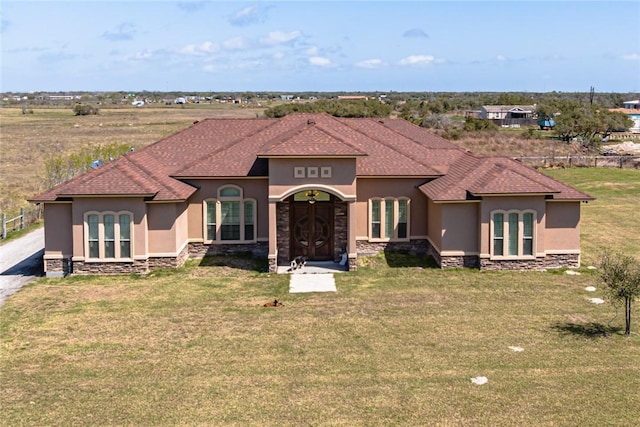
x=57, y=267
x=413, y=247
x=549, y=261
x=199, y=250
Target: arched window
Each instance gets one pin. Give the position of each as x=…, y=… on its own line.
x=513, y=234
x=389, y=219
x=230, y=218
x=108, y=235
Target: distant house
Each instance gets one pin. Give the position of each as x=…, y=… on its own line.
x=509, y=115
x=353, y=97
x=631, y=109
x=310, y=185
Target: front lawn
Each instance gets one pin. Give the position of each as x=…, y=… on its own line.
x=397, y=344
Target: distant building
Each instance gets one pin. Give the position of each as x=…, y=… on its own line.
x=631, y=109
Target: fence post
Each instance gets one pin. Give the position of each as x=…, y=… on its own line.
x=21, y=218
x=4, y=225
x=620, y=158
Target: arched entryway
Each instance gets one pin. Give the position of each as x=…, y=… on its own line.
x=312, y=225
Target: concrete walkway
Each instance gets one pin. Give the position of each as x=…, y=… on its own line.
x=313, y=277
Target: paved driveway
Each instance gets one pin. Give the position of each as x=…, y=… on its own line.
x=20, y=262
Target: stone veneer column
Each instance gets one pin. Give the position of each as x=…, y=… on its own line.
x=352, y=250
x=273, y=238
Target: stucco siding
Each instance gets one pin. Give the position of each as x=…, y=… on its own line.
x=257, y=189
x=282, y=175
x=563, y=226
x=162, y=228
x=392, y=187
x=112, y=204
x=435, y=224
x=531, y=203
x=460, y=228
x=58, y=240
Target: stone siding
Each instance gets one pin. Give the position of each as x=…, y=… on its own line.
x=57, y=267
x=340, y=227
x=157, y=263
x=136, y=266
x=257, y=249
x=412, y=247
x=470, y=261
x=282, y=231
x=549, y=261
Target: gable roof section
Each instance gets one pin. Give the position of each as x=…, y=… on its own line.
x=507, y=108
x=471, y=176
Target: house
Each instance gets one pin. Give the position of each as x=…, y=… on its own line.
x=631, y=109
x=509, y=115
x=311, y=185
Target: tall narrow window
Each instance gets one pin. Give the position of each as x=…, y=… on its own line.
x=94, y=239
x=248, y=221
x=109, y=236
x=388, y=219
x=375, y=219
x=125, y=235
x=498, y=234
x=513, y=234
x=527, y=233
x=402, y=219
x=211, y=220
x=230, y=221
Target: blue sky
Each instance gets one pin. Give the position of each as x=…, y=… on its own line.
x=320, y=46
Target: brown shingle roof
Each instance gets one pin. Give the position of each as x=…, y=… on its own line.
x=471, y=176
x=382, y=147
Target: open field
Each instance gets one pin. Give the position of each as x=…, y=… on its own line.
x=397, y=344
x=28, y=140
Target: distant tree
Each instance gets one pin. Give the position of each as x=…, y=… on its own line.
x=85, y=110
x=337, y=108
x=472, y=124
x=621, y=275
x=575, y=119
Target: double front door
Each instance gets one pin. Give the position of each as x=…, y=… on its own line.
x=311, y=230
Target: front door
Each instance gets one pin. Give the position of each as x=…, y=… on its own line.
x=312, y=230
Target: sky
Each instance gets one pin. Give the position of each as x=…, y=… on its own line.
x=296, y=46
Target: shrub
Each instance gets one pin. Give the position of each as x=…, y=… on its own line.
x=472, y=125
x=85, y=110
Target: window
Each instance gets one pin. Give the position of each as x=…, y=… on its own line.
x=229, y=218
x=108, y=235
x=389, y=219
x=518, y=228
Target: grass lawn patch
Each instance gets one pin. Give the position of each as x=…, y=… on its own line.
x=394, y=346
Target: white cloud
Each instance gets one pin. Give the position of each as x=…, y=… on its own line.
x=312, y=51
x=501, y=58
x=235, y=43
x=280, y=37
x=199, y=50
x=248, y=15
x=278, y=55
x=144, y=54
x=631, y=57
x=370, y=63
x=419, y=60
x=319, y=61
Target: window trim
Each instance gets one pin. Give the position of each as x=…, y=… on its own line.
x=383, y=220
x=506, y=233
x=101, y=236
x=218, y=219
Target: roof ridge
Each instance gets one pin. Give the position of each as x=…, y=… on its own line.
x=223, y=147
x=391, y=147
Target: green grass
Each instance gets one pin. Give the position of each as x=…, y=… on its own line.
x=612, y=220
x=397, y=344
